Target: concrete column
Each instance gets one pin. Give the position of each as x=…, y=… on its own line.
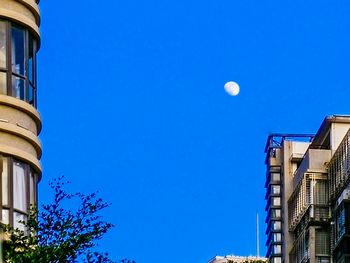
x=312, y=247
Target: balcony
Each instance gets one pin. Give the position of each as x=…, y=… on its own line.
x=339, y=168
x=309, y=201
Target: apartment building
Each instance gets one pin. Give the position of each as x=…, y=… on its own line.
x=308, y=194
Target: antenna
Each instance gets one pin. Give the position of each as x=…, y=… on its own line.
x=257, y=235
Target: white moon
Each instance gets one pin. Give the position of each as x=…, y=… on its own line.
x=232, y=88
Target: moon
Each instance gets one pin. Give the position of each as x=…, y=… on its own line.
x=232, y=88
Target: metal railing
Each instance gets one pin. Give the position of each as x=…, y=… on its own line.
x=339, y=168
x=309, y=197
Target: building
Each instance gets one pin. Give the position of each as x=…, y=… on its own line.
x=20, y=124
x=308, y=194
x=236, y=259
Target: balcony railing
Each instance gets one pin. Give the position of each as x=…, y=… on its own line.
x=309, y=199
x=339, y=168
x=300, y=250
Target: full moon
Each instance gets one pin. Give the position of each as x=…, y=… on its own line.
x=232, y=88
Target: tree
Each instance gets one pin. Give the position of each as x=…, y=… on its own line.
x=56, y=234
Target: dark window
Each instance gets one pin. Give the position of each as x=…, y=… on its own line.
x=18, y=50
x=17, y=62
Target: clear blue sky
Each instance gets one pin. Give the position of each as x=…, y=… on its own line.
x=132, y=101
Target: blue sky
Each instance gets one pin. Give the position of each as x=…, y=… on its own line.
x=132, y=101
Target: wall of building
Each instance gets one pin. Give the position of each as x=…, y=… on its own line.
x=293, y=153
x=314, y=177
x=20, y=123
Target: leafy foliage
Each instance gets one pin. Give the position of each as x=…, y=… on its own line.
x=55, y=234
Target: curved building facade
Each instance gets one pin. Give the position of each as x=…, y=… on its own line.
x=20, y=124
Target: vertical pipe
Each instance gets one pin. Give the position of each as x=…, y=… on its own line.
x=257, y=234
x=1, y=241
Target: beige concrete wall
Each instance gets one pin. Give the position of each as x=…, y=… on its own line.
x=312, y=248
x=23, y=11
x=19, y=118
x=298, y=149
x=292, y=153
x=19, y=128
x=318, y=160
x=13, y=141
x=314, y=161
x=288, y=170
x=337, y=133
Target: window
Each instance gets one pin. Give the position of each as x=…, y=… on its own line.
x=3, y=40
x=275, y=189
x=17, y=62
x=276, y=213
x=340, y=222
x=32, y=186
x=3, y=58
x=5, y=216
x=323, y=260
x=322, y=242
x=17, y=220
x=17, y=50
x=276, y=177
x=276, y=225
x=276, y=201
x=277, y=237
x=277, y=260
x=18, y=185
x=4, y=182
x=277, y=249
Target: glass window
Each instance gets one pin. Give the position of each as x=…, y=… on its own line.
x=276, y=225
x=277, y=260
x=32, y=187
x=276, y=177
x=31, y=93
x=323, y=260
x=277, y=237
x=19, y=187
x=3, y=40
x=18, y=218
x=19, y=53
x=276, y=201
x=31, y=55
x=15, y=201
x=276, y=189
x=340, y=223
x=276, y=213
x=5, y=182
x=18, y=86
x=18, y=50
x=5, y=216
x=277, y=249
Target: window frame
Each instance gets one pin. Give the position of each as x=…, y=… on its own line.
x=28, y=172
x=11, y=74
